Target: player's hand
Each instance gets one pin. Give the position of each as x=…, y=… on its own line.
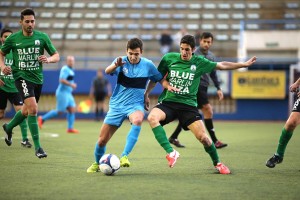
x=6, y=70
x=294, y=88
x=43, y=59
x=1, y=83
x=74, y=86
x=251, y=60
x=119, y=62
x=220, y=95
x=173, y=89
x=146, y=102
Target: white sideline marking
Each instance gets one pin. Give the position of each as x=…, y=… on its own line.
x=53, y=135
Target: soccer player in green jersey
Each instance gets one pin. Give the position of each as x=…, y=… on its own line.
x=287, y=132
x=28, y=47
x=183, y=70
x=9, y=92
x=205, y=41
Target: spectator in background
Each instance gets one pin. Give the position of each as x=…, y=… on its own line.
x=166, y=42
x=99, y=90
x=64, y=97
x=197, y=38
x=177, y=37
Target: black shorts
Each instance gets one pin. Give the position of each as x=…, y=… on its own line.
x=13, y=97
x=100, y=96
x=202, y=97
x=28, y=89
x=184, y=113
x=296, y=107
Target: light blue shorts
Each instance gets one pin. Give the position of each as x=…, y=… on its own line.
x=116, y=116
x=63, y=101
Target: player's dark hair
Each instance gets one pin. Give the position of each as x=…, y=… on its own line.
x=5, y=30
x=27, y=11
x=188, y=39
x=135, y=43
x=205, y=35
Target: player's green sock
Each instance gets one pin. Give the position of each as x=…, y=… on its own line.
x=283, y=141
x=212, y=151
x=16, y=120
x=34, y=129
x=160, y=136
x=23, y=127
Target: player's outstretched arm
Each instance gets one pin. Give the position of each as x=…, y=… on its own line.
x=224, y=65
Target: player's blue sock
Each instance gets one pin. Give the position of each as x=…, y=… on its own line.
x=71, y=119
x=49, y=115
x=99, y=152
x=132, y=137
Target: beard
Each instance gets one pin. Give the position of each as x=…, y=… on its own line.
x=29, y=30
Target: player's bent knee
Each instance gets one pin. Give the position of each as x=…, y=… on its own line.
x=206, y=141
x=152, y=119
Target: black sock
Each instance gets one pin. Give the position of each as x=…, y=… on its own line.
x=210, y=128
x=176, y=132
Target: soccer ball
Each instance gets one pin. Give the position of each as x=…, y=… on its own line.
x=109, y=164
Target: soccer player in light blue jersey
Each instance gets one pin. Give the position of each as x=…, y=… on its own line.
x=64, y=97
x=127, y=100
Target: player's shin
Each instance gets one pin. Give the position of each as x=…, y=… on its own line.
x=131, y=140
x=160, y=136
x=34, y=129
x=283, y=141
x=212, y=151
x=23, y=127
x=16, y=120
x=99, y=152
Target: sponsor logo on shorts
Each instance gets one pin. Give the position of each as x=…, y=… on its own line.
x=296, y=104
x=25, y=90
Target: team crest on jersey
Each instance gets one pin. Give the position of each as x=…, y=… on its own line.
x=125, y=70
x=37, y=42
x=193, y=68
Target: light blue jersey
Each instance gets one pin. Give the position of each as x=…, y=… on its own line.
x=128, y=95
x=131, y=82
x=64, y=95
x=68, y=74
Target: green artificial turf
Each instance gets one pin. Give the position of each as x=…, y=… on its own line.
x=62, y=175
